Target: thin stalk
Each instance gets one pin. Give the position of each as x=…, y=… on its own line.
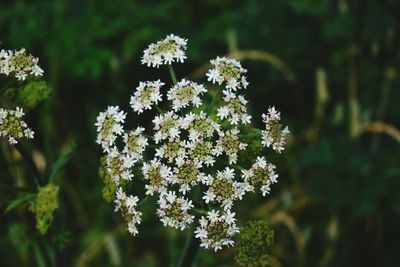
x=172, y=73
x=30, y=163
x=190, y=252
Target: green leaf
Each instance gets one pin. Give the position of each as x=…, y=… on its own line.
x=38, y=255
x=18, y=202
x=61, y=161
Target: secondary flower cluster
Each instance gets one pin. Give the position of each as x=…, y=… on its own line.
x=19, y=64
x=191, y=150
x=12, y=127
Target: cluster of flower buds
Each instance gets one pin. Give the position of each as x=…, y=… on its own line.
x=190, y=163
x=19, y=64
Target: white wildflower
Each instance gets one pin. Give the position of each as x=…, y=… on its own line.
x=229, y=144
x=235, y=110
x=173, y=211
x=119, y=165
x=223, y=188
x=216, y=231
x=184, y=93
x=109, y=127
x=164, y=52
x=146, y=95
x=167, y=126
x=274, y=135
x=157, y=174
x=227, y=70
x=135, y=143
x=19, y=64
x=261, y=174
x=12, y=127
x=127, y=205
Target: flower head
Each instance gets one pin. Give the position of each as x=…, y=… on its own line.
x=223, y=188
x=184, y=93
x=12, y=127
x=261, y=174
x=173, y=210
x=274, y=135
x=127, y=205
x=157, y=174
x=227, y=70
x=135, y=143
x=235, y=110
x=217, y=230
x=164, y=52
x=19, y=64
x=119, y=166
x=199, y=126
x=167, y=126
x=146, y=95
x=109, y=127
x=229, y=144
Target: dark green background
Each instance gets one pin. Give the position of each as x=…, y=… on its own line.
x=338, y=199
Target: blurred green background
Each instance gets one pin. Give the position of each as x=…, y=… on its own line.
x=331, y=67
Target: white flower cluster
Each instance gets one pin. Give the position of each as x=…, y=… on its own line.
x=19, y=64
x=184, y=93
x=193, y=151
x=12, y=127
x=261, y=174
x=127, y=206
x=217, y=230
x=164, y=52
x=230, y=71
x=274, y=135
x=146, y=95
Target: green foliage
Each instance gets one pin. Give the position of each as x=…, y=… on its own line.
x=29, y=94
x=44, y=205
x=254, y=244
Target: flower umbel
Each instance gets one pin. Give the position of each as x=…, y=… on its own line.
x=192, y=158
x=274, y=135
x=12, y=127
x=164, y=52
x=19, y=64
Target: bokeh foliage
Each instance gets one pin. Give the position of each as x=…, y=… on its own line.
x=332, y=67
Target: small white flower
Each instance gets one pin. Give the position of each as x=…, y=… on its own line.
x=157, y=174
x=235, y=110
x=19, y=64
x=146, y=95
x=274, y=135
x=223, y=188
x=229, y=71
x=119, y=165
x=173, y=211
x=216, y=231
x=167, y=126
x=127, y=205
x=109, y=127
x=229, y=144
x=184, y=93
x=166, y=51
x=12, y=127
x=187, y=174
x=135, y=143
x=261, y=174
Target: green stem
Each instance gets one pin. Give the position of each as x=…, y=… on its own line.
x=30, y=163
x=159, y=110
x=172, y=73
x=191, y=249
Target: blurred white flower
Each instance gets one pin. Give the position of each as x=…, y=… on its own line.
x=12, y=127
